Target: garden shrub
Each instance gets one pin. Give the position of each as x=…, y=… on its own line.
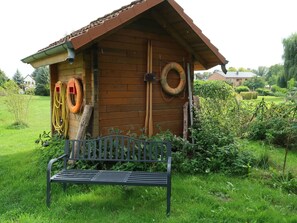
x=249, y=95
x=254, y=95
x=264, y=92
x=279, y=90
x=254, y=83
x=2, y=91
x=240, y=89
x=30, y=91
x=49, y=147
x=194, y=158
x=218, y=90
x=275, y=123
x=218, y=121
x=291, y=84
x=53, y=147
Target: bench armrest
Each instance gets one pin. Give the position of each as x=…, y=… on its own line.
x=50, y=164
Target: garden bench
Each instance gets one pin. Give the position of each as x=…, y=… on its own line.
x=113, y=149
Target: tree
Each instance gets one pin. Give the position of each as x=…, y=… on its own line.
x=18, y=79
x=3, y=78
x=281, y=81
x=261, y=71
x=41, y=77
x=275, y=72
x=254, y=83
x=242, y=69
x=232, y=69
x=290, y=57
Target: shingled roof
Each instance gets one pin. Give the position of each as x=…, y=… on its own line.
x=98, y=22
x=168, y=14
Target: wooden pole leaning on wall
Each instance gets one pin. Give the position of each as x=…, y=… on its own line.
x=186, y=122
x=190, y=96
x=146, y=123
x=81, y=133
x=149, y=127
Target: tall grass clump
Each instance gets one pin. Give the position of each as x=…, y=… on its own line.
x=17, y=104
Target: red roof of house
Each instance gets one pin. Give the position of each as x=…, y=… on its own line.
x=169, y=15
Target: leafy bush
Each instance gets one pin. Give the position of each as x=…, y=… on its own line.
x=50, y=147
x=240, y=89
x=291, y=84
x=277, y=89
x=246, y=95
x=2, y=91
x=53, y=147
x=275, y=123
x=264, y=92
x=254, y=83
x=218, y=120
x=30, y=91
x=193, y=158
x=218, y=90
x=249, y=95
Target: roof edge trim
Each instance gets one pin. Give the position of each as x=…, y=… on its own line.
x=65, y=47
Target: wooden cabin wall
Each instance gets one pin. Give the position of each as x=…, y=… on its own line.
x=80, y=69
x=122, y=91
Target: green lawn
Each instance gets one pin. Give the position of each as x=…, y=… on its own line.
x=271, y=99
x=195, y=198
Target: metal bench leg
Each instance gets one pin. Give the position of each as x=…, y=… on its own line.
x=64, y=186
x=48, y=193
x=168, y=199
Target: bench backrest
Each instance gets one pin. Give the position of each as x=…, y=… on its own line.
x=118, y=148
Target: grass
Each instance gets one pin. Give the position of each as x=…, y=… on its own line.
x=195, y=198
x=270, y=99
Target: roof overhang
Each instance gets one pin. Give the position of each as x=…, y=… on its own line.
x=166, y=12
x=52, y=55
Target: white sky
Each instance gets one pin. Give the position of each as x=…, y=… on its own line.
x=248, y=33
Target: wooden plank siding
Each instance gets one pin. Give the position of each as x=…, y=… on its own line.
x=122, y=90
x=66, y=71
x=118, y=91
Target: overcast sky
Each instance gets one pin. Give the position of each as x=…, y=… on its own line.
x=248, y=33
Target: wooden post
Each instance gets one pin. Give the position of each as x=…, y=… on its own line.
x=186, y=124
x=151, y=124
x=190, y=97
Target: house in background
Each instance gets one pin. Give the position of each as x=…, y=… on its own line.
x=29, y=82
x=236, y=78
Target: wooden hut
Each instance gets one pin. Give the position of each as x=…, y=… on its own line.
x=123, y=63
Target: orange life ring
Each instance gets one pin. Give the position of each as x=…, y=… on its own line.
x=74, y=95
x=182, y=75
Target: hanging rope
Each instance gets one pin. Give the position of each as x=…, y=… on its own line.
x=60, y=110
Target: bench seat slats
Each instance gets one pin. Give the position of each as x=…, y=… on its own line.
x=105, y=176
